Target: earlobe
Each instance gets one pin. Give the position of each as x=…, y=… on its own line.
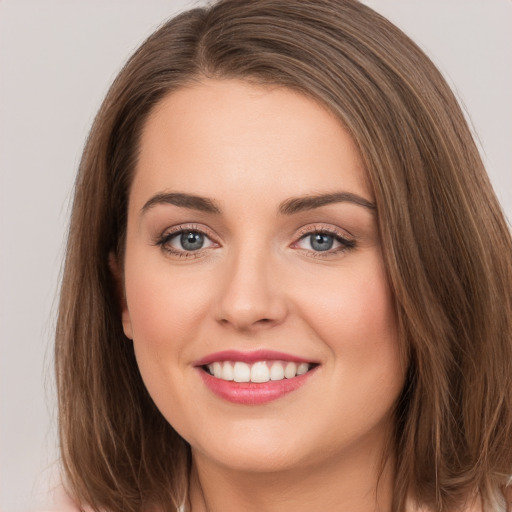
x=127, y=324
x=120, y=295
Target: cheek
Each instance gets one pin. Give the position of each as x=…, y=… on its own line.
x=355, y=306
x=353, y=314
x=163, y=305
x=357, y=322
x=164, y=309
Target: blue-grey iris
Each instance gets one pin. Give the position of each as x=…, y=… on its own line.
x=192, y=241
x=321, y=242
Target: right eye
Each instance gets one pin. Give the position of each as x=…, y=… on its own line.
x=185, y=242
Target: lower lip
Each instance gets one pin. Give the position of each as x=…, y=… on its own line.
x=251, y=393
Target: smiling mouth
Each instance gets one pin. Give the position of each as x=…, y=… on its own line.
x=257, y=372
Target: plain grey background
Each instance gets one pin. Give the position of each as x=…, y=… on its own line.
x=57, y=59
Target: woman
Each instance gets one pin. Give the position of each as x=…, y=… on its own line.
x=295, y=287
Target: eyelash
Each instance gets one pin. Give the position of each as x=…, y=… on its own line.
x=346, y=244
x=164, y=240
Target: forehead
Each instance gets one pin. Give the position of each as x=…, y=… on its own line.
x=229, y=136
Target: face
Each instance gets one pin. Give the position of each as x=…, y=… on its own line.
x=256, y=295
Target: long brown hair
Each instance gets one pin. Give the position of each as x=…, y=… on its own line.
x=446, y=246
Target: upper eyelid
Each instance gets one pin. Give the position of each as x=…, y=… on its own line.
x=319, y=228
x=174, y=230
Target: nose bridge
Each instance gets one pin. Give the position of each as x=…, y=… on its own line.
x=251, y=296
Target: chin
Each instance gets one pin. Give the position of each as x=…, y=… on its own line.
x=257, y=458
x=252, y=448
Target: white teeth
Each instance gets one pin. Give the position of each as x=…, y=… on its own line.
x=227, y=371
x=277, y=372
x=258, y=372
x=302, y=368
x=217, y=370
x=290, y=371
x=241, y=372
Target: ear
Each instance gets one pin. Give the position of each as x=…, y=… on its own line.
x=117, y=274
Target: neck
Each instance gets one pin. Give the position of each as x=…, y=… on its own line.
x=358, y=482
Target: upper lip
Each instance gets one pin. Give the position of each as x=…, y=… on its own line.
x=249, y=357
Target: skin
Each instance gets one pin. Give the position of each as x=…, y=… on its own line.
x=259, y=284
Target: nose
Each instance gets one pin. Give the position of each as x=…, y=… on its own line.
x=251, y=296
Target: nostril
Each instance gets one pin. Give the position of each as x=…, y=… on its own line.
x=264, y=322
x=247, y=326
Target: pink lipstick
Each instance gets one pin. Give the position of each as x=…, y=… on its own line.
x=256, y=377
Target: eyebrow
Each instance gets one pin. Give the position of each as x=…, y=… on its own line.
x=182, y=200
x=288, y=207
x=310, y=202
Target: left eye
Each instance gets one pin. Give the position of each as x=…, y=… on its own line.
x=321, y=242
x=188, y=241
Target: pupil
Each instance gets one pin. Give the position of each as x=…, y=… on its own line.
x=321, y=242
x=192, y=241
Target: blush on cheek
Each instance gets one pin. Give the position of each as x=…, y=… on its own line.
x=165, y=309
x=372, y=304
